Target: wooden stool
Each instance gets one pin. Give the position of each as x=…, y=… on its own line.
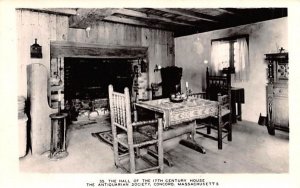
x=58, y=149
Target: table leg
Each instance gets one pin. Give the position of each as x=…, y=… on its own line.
x=233, y=113
x=190, y=141
x=167, y=159
x=193, y=145
x=239, y=116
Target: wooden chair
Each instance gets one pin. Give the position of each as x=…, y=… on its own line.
x=219, y=89
x=221, y=122
x=124, y=133
x=217, y=84
x=170, y=80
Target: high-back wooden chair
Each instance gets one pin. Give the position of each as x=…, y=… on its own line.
x=221, y=123
x=217, y=84
x=170, y=80
x=124, y=133
x=219, y=89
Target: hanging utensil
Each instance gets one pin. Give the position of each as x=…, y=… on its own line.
x=56, y=68
x=60, y=69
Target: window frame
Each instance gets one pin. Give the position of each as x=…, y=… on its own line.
x=231, y=40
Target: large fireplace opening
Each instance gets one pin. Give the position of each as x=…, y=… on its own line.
x=86, y=82
x=89, y=77
x=81, y=72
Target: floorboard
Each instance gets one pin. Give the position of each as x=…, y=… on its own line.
x=252, y=150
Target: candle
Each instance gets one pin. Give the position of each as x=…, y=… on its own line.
x=59, y=95
x=186, y=84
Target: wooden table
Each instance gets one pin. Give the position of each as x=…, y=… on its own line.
x=237, y=97
x=182, y=112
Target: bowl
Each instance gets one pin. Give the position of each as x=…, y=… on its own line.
x=177, y=98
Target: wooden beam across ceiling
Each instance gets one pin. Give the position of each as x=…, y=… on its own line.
x=118, y=19
x=59, y=11
x=182, y=21
x=147, y=16
x=86, y=17
x=191, y=14
x=226, y=11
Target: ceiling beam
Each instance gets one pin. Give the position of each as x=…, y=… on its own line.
x=191, y=14
x=129, y=21
x=226, y=11
x=59, y=11
x=86, y=17
x=135, y=13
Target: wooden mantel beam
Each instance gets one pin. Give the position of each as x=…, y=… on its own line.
x=92, y=50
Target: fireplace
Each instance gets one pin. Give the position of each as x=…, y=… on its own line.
x=86, y=83
x=88, y=78
x=83, y=71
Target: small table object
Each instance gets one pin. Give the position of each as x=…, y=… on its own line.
x=58, y=149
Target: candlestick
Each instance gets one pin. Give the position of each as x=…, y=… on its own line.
x=187, y=89
x=59, y=95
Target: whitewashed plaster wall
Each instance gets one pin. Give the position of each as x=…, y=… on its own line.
x=264, y=37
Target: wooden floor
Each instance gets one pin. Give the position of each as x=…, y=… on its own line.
x=252, y=150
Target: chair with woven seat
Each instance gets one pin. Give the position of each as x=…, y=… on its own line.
x=124, y=133
x=218, y=89
x=221, y=122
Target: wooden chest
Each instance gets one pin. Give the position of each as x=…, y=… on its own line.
x=277, y=92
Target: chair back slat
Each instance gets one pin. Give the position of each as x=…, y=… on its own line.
x=127, y=108
x=120, y=107
x=123, y=112
x=217, y=84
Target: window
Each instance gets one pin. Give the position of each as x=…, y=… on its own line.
x=231, y=53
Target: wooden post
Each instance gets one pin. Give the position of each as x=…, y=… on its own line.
x=160, y=146
x=219, y=127
x=207, y=84
x=229, y=136
x=113, y=127
x=129, y=131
